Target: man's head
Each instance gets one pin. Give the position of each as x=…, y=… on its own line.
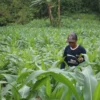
x=72, y=40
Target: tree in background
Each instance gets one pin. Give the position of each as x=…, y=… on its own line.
x=50, y=4
x=59, y=18
x=15, y=11
x=20, y=11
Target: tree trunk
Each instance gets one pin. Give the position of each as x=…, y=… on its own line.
x=59, y=19
x=50, y=13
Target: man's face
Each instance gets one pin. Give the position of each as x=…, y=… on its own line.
x=72, y=44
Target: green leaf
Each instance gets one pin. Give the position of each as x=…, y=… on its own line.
x=3, y=82
x=24, y=91
x=43, y=66
x=15, y=93
x=64, y=80
x=90, y=83
x=68, y=95
x=0, y=92
x=59, y=91
x=96, y=95
x=6, y=89
x=98, y=76
x=57, y=75
x=10, y=78
x=22, y=76
x=48, y=87
x=32, y=77
x=39, y=83
x=32, y=98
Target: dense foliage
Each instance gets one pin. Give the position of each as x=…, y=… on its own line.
x=22, y=11
x=31, y=54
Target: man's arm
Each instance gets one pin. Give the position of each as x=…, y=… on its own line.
x=83, y=51
x=63, y=63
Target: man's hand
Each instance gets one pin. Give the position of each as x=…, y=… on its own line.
x=80, y=59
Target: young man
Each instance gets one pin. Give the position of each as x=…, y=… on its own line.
x=73, y=52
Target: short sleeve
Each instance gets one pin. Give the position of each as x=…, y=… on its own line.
x=83, y=50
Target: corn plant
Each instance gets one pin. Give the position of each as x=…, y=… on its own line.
x=30, y=58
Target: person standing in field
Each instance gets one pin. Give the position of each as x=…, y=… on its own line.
x=73, y=53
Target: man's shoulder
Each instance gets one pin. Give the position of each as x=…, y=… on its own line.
x=67, y=47
x=82, y=48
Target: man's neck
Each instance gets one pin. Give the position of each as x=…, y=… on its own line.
x=75, y=47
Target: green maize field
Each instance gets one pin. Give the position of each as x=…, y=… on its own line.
x=31, y=54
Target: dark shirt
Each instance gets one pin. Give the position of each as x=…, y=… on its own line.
x=71, y=56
